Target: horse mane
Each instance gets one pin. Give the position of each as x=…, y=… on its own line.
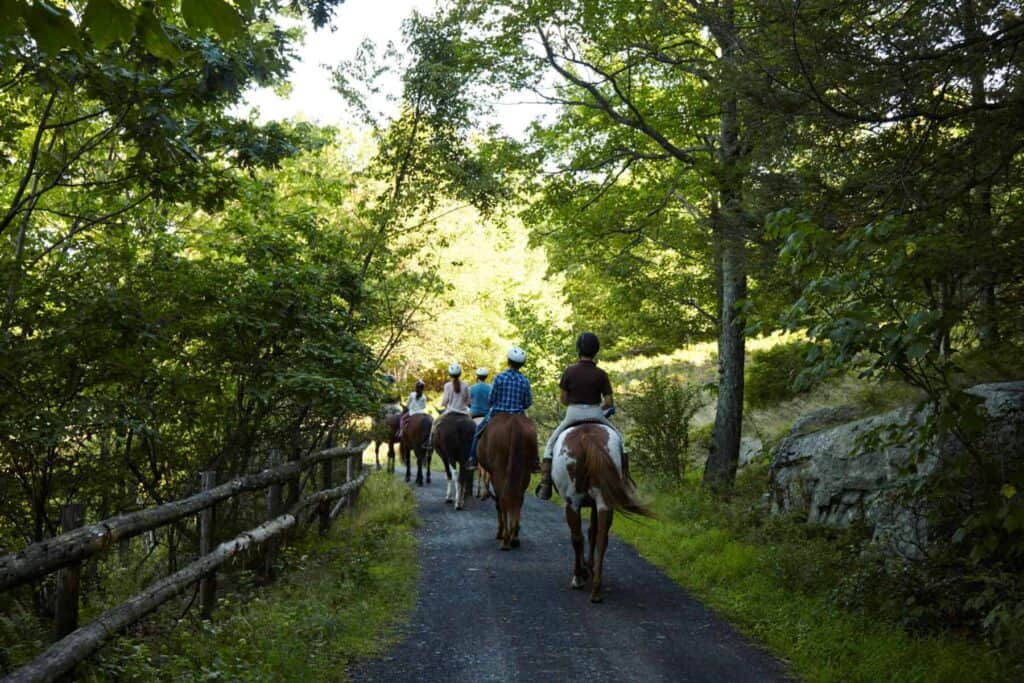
x=595, y=467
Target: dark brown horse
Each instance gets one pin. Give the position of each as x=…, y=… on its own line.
x=453, y=435
x=385, y=431
x=508, y=451
x=482, y=483
x=416, y=438
x=587, y=471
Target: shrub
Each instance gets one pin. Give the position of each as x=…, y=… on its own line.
x=660, y=437
x=776, y=374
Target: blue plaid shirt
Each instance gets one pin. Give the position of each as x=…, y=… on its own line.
x=510, y=393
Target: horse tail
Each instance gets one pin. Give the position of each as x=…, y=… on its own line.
x=618, y=494
x=516, y=465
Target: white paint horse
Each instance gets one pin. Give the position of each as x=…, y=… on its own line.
x=587, y=471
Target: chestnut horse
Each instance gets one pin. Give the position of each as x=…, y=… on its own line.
x=508, y=451
x=385, y=431
x=416, y=438
x=453, y=435
x=587, y=471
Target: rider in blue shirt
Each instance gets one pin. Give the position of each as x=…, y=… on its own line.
x=510, y=394
x=480, y=394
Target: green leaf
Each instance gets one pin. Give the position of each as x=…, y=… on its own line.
x=10, y=12
x=107, y=22
x=213, y=14
x=156, y=40
x=51, y=28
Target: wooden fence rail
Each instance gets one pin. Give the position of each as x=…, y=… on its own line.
x=40, y=559
x=63, y=655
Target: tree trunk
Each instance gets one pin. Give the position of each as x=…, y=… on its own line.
x=728, y=224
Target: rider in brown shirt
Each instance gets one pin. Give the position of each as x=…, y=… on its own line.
x=586, y=393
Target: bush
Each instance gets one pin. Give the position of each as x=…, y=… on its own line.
x=660, y=437
x=776, y=374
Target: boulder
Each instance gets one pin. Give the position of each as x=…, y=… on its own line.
x=751, y=450
x=845, y=474
x=825, y=417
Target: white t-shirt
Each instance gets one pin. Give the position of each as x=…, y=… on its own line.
x=417, y=405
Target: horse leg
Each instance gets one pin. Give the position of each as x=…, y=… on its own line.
x=407, y=461
x=460, y=486
x=515, y=514
x=376, y=452
x=448, y=493
x=419, y=467
x=592, y=537
x=579, y=571
x=604, y=525
x=391, y=456
x=428, y=456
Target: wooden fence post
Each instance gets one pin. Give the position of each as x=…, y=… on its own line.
x=65, y=614
x=208, y=584
x=274, y=505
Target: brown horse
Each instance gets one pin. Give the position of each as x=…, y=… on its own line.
x=416, y=438
x=385, y=431
x=508, y=451
x=453, y=435
x=587, y=471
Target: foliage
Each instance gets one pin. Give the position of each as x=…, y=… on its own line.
x=775, y=375
x=660, y=414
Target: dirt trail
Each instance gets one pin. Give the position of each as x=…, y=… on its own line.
x=487, y=615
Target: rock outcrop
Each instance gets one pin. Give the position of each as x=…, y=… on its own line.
x=845, y=474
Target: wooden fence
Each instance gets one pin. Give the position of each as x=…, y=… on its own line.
x=65, y=553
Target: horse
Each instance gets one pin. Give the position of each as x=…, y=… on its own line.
x=508, y=451
x=452, y=438
x=385, y=431
x=587, y=471
x=416, y=437
x=482, y=483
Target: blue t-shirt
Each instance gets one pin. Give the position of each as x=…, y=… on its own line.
x=480, y=396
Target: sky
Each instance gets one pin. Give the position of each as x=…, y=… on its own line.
x=312, y=97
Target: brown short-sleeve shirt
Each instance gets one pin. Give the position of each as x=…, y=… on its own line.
x=584, y=382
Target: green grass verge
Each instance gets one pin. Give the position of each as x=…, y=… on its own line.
x=777, y=584
x=338, y=599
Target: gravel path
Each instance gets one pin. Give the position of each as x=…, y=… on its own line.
x=486, y=615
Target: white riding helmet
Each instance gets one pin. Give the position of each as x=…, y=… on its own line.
x=517, y=355
x=482, y=372
x=454, y=369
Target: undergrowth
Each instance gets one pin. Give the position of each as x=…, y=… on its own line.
x=338, y=598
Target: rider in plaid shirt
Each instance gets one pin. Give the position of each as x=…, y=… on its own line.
x=510, y=393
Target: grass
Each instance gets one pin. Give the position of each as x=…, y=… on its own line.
x=776, y=580
x=339, y=598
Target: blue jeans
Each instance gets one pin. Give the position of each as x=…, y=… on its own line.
x=471, y=463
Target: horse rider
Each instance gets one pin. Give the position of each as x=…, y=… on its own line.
x=586, y=392
x=417, y=404
x=480, y=394
x=454, y=398
x=510, y=393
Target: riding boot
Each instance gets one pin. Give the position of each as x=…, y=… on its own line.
x=544, y=487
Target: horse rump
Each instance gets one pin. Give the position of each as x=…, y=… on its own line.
x=597, y=469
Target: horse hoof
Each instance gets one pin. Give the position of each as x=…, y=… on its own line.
x=448, y=501
x=578, y=582
x=458, y=507
x=595, y=599
x=515, y=542
x=505, y=546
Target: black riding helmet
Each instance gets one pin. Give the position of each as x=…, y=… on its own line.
x=587, y=344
